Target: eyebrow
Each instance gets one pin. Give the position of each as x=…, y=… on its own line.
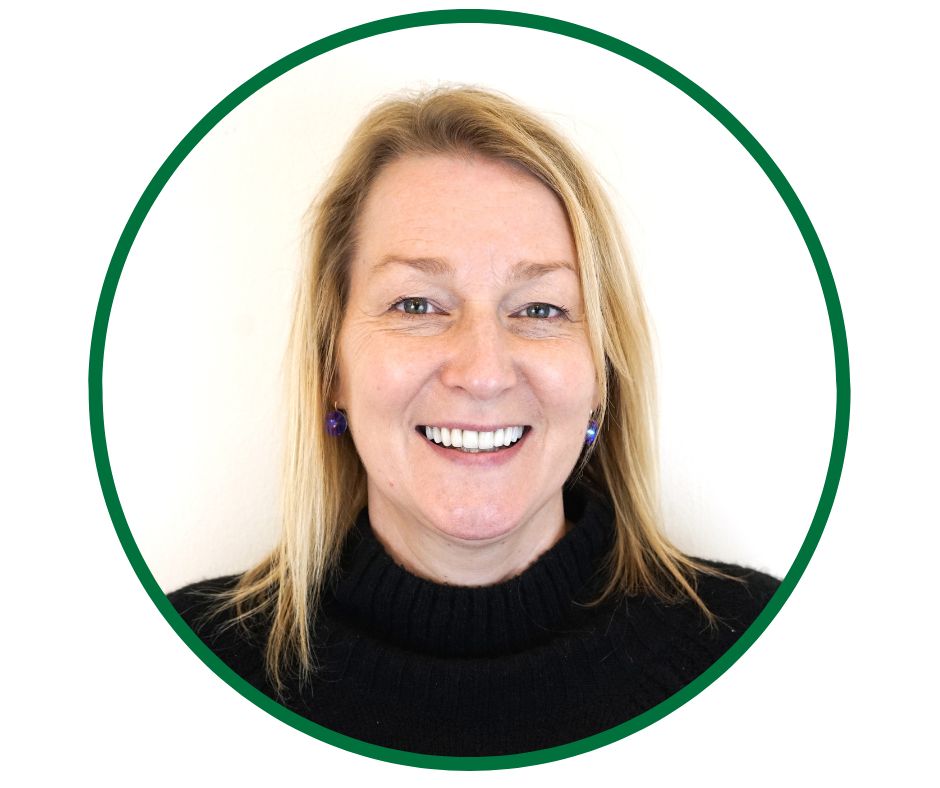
x=522, y=271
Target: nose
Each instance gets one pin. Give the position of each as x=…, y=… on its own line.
x=480, y=358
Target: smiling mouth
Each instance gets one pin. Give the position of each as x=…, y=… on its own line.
x=473, y=441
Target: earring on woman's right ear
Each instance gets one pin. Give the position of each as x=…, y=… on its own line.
x=336, y=422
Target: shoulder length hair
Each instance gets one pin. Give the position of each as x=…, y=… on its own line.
x=323, y=482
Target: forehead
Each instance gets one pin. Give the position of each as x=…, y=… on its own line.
x=472, y=211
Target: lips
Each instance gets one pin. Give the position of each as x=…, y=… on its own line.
x=476, y=460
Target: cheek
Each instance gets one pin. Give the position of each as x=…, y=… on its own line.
x=566, y=380
x=382, y=376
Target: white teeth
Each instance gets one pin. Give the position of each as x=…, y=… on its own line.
x=472, y=440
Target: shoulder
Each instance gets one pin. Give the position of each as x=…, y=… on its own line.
x=679, y=637
x=736, y=595
x=666, y=643
x=240, y=646
x=198, y=603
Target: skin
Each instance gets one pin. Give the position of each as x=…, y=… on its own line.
x=476, y=338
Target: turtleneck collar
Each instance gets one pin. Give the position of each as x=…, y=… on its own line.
x=387, y=601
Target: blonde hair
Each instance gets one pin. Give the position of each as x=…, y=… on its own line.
x=323, y=483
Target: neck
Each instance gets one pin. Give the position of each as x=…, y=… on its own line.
x=429, y=552
x=374, y=592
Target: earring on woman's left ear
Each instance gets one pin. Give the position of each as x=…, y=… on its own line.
x=590, y=434
x=336, y=422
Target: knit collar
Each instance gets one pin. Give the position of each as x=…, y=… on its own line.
x=388, y=602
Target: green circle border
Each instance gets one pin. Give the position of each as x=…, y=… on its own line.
x=443, y=17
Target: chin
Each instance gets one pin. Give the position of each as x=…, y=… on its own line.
x=476, y=523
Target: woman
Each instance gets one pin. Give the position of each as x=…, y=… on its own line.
x=471, y=561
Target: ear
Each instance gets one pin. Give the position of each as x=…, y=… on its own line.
x=336, y=395
x=596, y=397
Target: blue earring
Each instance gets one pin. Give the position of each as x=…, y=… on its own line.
x=591, y=435
x=336, y=423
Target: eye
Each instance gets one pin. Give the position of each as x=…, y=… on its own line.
x=543, y=312
x=414, y=306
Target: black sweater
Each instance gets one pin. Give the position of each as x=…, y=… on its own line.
x=500, y=669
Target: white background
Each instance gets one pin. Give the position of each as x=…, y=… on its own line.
x=841, y=686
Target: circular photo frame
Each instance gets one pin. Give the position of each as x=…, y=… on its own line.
x=213, y=120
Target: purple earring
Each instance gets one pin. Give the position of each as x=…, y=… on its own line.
x=591, y=434
x=336, y=423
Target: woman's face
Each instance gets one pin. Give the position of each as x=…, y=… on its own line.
x=464, y=314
